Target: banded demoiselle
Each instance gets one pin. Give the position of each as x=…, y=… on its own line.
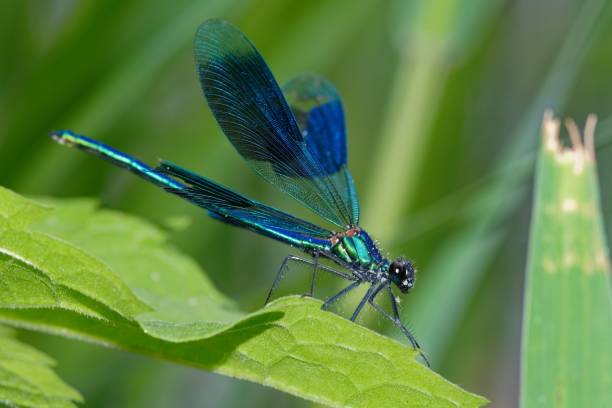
x=295, y=138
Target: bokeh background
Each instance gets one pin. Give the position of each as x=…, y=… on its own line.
x=443, y=102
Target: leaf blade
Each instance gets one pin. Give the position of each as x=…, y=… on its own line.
x=567, y=332
x=278, y=348
x=27, y=378
x=291, y=345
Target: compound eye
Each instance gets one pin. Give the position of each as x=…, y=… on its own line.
x=397, y=270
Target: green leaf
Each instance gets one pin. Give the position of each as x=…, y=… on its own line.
x=110, y=278
x=27, y=378
x=184, y=303
x=294, y=347
x=66, y=276
x=567, y=325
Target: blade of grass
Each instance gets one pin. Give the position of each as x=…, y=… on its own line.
x=567, y=324
x=430, y=37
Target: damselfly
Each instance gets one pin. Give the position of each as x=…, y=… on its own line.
x=295, y=138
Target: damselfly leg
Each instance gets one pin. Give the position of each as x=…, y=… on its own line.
x=316, y=266
x=314, y=275
x=370, y=294
x=339, y=295
x=395, y=319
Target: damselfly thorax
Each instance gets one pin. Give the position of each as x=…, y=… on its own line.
x=356, y=248
x=358, y=251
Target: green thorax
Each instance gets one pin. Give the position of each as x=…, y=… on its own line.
x=358, y=250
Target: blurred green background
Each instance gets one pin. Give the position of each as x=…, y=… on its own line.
x=443, y=102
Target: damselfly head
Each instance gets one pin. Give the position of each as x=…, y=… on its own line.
x=402, y=273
